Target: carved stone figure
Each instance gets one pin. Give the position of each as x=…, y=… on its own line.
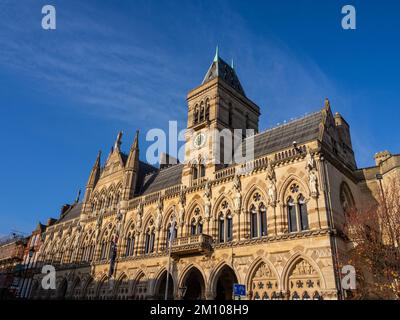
x=207, y=209
x=139, y=217
x=159, y=215
x=181, y=214
x=313, y=181
x=270, y=171
x=272, y=193
x=310, y=161
x=237, y=198
x=119, y=222
x=207, y=191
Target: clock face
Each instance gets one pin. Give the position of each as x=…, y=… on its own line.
x=199, y=140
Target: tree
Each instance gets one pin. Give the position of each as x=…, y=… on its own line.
x=374, y=235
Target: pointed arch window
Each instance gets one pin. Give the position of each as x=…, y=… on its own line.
x=149, y=241
x=103, y=250
x=229, y=228
x=221, y=227
x=169, y=234
x=202, y=112
x=130, y=245
x=196, y=227
x=253, y=222
x=202, y=170
x=196, y=114
x=303, y=212
x=263, y=220
x=292, y=218
x=194, y=172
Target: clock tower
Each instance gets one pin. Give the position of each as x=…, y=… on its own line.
x=218, y=103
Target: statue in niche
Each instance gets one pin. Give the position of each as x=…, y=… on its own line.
x=310, y=161
x=181, y=210
x=159, y=215
x=313, y=183
x=271, y=177
x=207, y=200
x=237, y=198
x=139, y=214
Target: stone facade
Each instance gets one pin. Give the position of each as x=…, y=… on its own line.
x=273, y=223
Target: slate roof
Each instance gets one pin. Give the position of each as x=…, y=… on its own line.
x=71, y=213
x=281, y=137
x=162, y=179
x=220, y=69
x=301, y=130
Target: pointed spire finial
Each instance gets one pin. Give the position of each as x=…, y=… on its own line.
x=216, y=54
x=327, y=103
x=78, y=196
x=232, y=64
x=136, y=140
x=118, y=141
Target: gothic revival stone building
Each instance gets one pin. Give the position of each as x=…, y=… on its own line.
x=272, y=223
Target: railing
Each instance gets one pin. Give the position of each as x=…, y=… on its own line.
x=225, y=173
x=192, y=244
x=197, y=182
x=172, y=190
x=290, y=153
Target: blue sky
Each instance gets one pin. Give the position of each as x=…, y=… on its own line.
x=123, y=65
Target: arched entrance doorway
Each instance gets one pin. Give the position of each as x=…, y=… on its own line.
x=194, y=283
x=160, y=290
x=226, y=279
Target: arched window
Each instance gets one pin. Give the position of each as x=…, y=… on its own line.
x=149, y=243
x=263, y=220
x=194, y=172
x=229, y=228
x=103, y=250
x=225, y=224
x=253, y=222
x=193, y=227
x=292, y=219
x=303, y=212
x=221, y=228
x=169, y=234
x=196, y=114
x=130, y=245
x=202, y=112
x=258, y=216
x=207, y=117
x=296, y=206
x=202, y=170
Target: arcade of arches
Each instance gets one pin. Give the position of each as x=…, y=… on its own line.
x=300, y=281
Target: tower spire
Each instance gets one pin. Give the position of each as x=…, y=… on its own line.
x=216, y=54
x=132, y=169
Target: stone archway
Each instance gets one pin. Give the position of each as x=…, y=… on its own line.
x=224, y=283
x=195, y=285
x=304, y=282
x=264, y=283
x=161, y=285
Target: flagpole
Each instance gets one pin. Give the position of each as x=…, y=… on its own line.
x=172, y=230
